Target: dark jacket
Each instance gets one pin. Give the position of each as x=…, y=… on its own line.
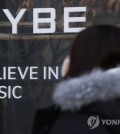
x=90, y=104
x=44, y=120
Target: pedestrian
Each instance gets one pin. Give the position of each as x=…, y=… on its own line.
x=89, y=94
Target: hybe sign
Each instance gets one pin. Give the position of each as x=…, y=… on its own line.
x=51, y=20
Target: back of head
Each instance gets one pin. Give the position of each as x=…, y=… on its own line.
x=95, y=47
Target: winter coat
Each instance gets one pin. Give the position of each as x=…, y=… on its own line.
x=44, y=120
x=90, y=104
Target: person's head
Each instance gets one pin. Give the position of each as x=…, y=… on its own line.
x=95, y=47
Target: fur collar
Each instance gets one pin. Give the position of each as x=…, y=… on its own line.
x=97, y=85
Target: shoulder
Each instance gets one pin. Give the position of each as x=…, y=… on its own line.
x=70, y=122
x=75, y=123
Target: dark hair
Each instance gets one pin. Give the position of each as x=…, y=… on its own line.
x=95, y=47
